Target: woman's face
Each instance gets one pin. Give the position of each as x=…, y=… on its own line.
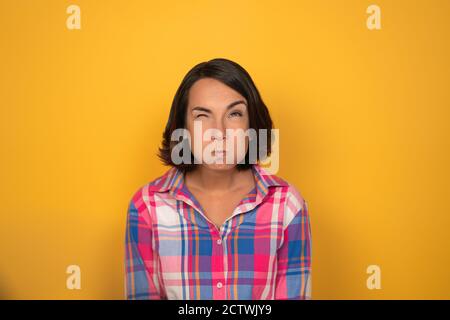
x=213, y=108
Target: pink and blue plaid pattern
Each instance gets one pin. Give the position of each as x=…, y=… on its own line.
x=262, y=251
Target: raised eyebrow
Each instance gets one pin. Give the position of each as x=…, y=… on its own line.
x=231, y=105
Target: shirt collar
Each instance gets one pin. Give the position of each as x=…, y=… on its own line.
x=173, y=181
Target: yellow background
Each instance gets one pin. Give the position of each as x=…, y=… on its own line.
x=362, y=115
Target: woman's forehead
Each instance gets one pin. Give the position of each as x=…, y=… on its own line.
x=212, y=94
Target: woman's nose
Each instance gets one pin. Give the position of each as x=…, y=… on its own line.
x=220, y=131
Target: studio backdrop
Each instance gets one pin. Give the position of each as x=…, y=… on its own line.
x=359, y=91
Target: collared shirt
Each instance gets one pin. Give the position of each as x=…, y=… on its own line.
x=262, y=250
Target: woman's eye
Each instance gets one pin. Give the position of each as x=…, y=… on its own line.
x=236, y=114
x=200, y=115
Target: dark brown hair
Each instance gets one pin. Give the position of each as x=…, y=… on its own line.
x=236, y=77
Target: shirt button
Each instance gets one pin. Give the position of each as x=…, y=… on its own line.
x=219, y=241
x=219, y=284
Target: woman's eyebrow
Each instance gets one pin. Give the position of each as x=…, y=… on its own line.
x=231, y=105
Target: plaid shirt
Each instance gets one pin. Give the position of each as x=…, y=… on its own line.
x=173, y=251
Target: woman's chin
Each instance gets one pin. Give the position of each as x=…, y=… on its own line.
x=220, y=166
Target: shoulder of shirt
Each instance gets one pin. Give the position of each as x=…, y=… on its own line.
x=294, y=203
x=293, y=199
x=293, y=195
x=145, y=193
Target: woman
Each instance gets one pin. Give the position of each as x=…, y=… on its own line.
x=217, y=225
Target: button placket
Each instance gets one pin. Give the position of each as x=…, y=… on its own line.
x=218, y=266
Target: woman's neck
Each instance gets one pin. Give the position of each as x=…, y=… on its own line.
x=219, y=181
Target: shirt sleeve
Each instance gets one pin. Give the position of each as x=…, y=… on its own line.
x=141, y=262
x=293, y=280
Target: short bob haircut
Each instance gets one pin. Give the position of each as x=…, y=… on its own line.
x=236, y=77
